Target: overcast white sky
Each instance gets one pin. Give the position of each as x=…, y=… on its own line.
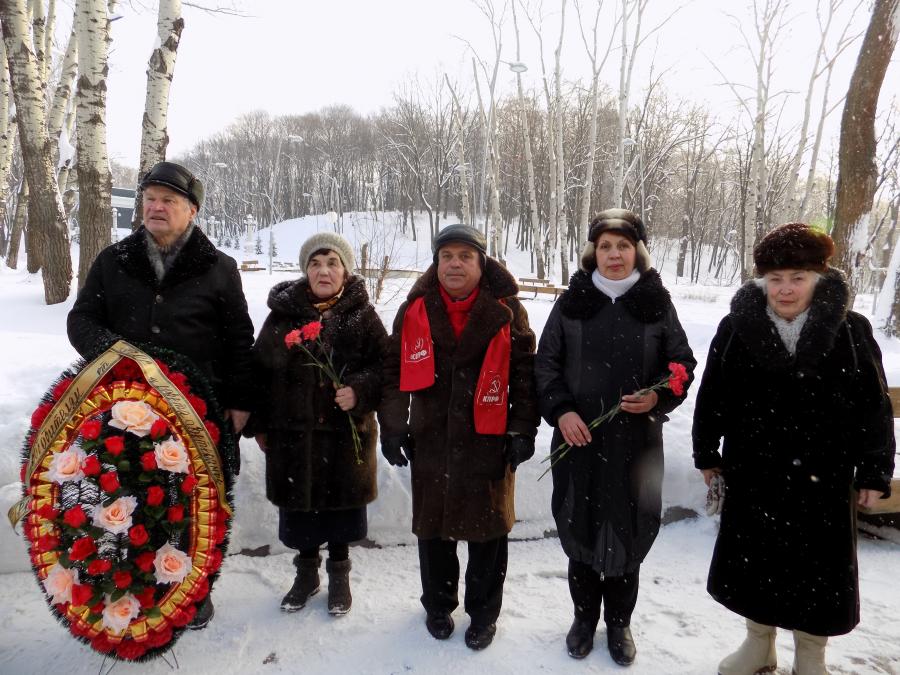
x=291, y=57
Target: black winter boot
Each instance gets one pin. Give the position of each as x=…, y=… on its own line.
x=480, y=636
x=339, y=598
x=306, y=584
x=580, y=640
x=621, y=644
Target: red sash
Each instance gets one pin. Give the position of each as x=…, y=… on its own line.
x=417, y=368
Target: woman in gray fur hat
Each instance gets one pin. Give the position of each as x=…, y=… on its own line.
x=316, y=473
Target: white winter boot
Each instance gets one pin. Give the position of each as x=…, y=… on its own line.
x=809, y=654
x=756, y=654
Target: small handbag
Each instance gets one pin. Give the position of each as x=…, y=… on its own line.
x=715, y=495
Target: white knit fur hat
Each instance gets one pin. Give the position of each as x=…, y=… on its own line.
x=330, y=241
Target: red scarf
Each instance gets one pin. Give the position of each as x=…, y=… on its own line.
x=417, y=368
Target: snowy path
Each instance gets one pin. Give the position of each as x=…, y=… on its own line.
x=678, y=628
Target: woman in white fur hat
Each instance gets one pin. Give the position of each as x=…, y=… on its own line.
x=317, y=476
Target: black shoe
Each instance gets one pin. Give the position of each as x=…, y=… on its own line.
x=440, y=625
x=306, y=584
x=203, y=616
x=339, y=597
x=621, y=644
x=479, y=636
x=580, y=640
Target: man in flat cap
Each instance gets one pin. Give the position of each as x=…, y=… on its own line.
x=459, y=404
x=166, y=285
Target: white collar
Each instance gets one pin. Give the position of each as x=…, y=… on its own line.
x=615, y=288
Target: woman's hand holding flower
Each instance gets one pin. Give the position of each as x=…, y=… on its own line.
x=573, y=429
x=639, y=403
x=345, y=398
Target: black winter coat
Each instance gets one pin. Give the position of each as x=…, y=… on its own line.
x=310, y=458
x=198, y=310
x=462, y=486
x=607, y=496
x=795, y=429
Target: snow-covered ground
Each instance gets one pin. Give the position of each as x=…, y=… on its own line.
x=678, y=627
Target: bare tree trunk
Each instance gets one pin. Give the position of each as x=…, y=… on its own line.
x=57, y=115
x=45, y=211
x=94, y=178
x=560, y=157
x=461, y=156
x=160, y=69
x=7, y=143
x=18, y=227
x=857, y=172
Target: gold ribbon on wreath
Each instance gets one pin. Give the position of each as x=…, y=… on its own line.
x=83, y=384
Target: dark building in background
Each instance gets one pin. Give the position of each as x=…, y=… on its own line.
x=123, y=205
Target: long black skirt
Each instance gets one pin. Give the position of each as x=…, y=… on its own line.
x=303, y=530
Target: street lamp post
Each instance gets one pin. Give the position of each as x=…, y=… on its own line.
x=293, y=138
x=249, y=249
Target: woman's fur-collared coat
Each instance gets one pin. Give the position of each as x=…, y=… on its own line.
x=462, y=486
x=310, y=458
x=607, y=495
x=798, y=433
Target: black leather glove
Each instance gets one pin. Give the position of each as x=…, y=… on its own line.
x=518, y=449
x=394, y=447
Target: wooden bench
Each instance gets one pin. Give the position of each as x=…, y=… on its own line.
x=251, y=266
x=542, y=286
x=892, y=503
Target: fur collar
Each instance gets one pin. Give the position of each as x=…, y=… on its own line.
x=195, y=258
x=488, y=314
x=830, y=303
x=647, y=301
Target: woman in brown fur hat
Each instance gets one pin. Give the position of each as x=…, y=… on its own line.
x=795, y=386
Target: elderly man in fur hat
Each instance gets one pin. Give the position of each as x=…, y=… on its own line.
x=166, y=285
x=459, y=405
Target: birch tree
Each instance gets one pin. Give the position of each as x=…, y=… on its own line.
x=560, y=155
x=461, y=154
x=94, y=179
x=160, y=70
x=857, y=172
x=45, y=210
x=7, y=143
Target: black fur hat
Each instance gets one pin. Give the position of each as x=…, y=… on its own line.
x=462, y=234
x=795, y=246
x=175, y=177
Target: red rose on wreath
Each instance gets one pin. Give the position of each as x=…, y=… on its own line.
x=188, y=484
x=83, y=547
x=148, y=461
x=138, y=536
x=213, y=431
x=122, y=579
x=146, y=597
x=40, y=414
x=48, y=512
x=145, y=560
x=99, y=566
x=91, y=466
x=126, y=369
x=175, y=514
x=46, y=542
x=155, y=495
x=81, y=594
x=91, y=429
x=75, y=517
x=159, y=429
x=109, y=481
x=114, y=445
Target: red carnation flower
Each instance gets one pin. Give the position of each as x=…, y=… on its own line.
x=163, y=367
x=182, y=617
x=97, y=608
x=48, y=512
x=311, y=331
x=213, y=431
x=81, y=594
x=83, y=547
x=198, y=404
x=91, y=466
x=202, y=589
x=159, y=429
x=40, y=414
x=122, y=579
x=102, y=644
x=155, y=495
x=91, y=429
x=130, y=650
x=188, y=484
x=114, y=444
x=148, y=461
x=293, y=338
x=221, y=533
x=99, y=566
x=138, y=536
x=145, y=560
x=46, y=542
x=25, y=466
x=146, y=597
x=159, y=639
x=175, y=514
x=75, y=517
x=179, y=380
x=60, y=387
x=109, y=481
x=126, y=369
x=677, y=379
x=215, y=559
